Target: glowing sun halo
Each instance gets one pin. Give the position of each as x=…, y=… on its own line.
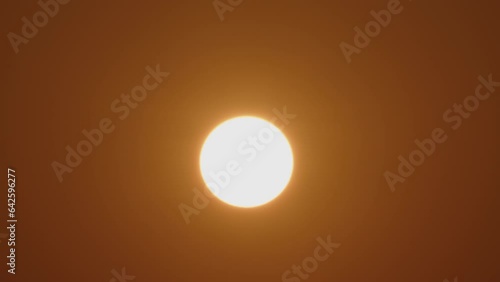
x=246, y=162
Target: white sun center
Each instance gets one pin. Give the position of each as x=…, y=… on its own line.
x=246, y=162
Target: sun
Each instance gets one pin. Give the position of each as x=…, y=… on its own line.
x=246, y=162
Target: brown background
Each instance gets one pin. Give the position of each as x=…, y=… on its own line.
x=119, y=208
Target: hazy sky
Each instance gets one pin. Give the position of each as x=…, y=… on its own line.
x=119, y=206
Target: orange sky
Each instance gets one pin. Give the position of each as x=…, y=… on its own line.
x=119, y=207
